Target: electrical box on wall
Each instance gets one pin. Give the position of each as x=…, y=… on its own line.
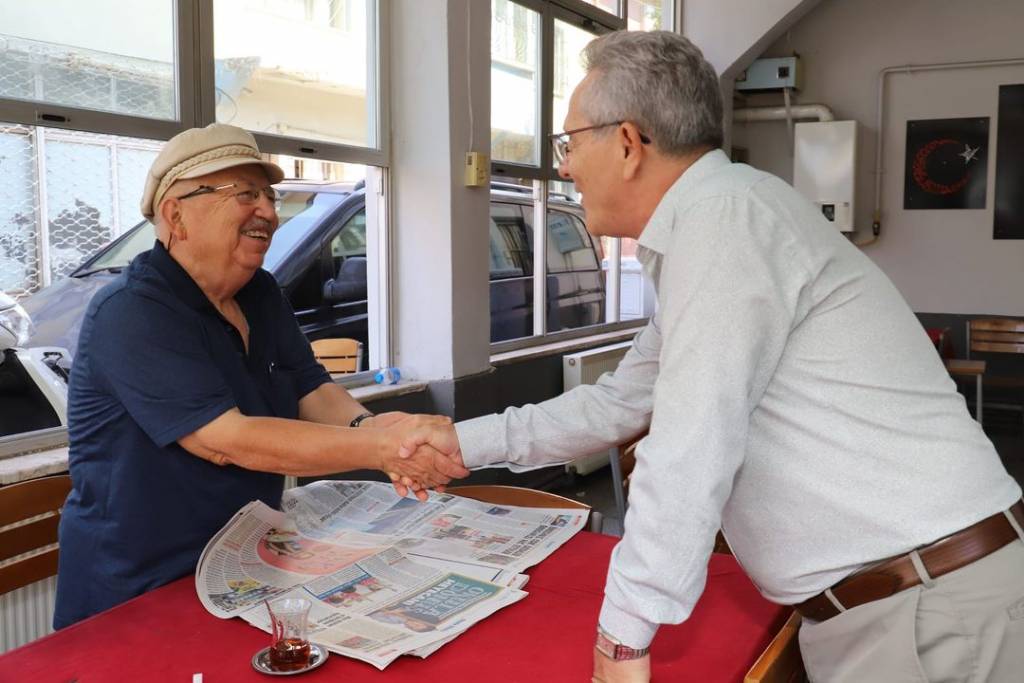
x=772, y=74
x=824, y=168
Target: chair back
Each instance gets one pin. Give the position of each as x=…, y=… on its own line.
x=995, y=335
x=33, y=543
x=516, y=495
x=339, y=355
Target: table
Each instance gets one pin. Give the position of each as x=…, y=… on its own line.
x=166, y=635
x=969, y=368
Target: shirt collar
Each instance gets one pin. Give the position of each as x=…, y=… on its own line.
x=182, y=284
x=657, y=233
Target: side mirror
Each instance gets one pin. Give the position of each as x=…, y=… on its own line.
x=350, y=284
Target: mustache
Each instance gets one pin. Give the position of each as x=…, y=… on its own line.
x=257, y=223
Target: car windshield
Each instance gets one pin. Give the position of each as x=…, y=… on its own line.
x=298, y=211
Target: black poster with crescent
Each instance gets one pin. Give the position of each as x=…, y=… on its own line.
x=947, y=164
x=1009, y=213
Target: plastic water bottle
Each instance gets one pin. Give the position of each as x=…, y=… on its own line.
x=387, y=376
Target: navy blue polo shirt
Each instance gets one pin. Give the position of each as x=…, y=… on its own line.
x=155, y=362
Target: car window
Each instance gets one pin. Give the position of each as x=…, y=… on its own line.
x=511, y=253
x=137, y=240
x=570, y=247
x=350, y=241
x=297, y=213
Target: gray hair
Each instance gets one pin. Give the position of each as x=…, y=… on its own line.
x=658, y=80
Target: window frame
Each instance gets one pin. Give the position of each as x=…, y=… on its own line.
x=50, y=115
x=596, y=21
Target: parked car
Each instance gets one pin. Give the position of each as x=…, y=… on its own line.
x=318, y=255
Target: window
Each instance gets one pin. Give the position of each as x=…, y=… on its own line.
x=113, y=80
x=650, y=15
x=281, y=64
x=515, y=83
x=584, y=281
x=65, y=52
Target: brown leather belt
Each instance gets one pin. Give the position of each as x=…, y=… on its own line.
x=896, y=574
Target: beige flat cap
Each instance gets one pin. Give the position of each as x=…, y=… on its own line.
x=197, y=152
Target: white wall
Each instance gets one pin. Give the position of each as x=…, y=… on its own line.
x=730, y=32
x=943, y=261
x=440, y=265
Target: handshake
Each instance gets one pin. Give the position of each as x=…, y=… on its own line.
x=418, y=452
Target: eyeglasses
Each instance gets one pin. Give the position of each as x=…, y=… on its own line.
x=560, y=141
x=244, y=197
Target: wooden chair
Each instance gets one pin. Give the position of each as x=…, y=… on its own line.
x=781, y=661
x=993, y=338
x=339, y=355
x=33, y=543
x=516, y=495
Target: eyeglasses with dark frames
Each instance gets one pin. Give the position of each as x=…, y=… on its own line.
x=244, y=197
x=560, y=141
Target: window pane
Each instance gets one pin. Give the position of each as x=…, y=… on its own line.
x=610, y=6
x=569, y=43
x=106, y=55
x=280, y=64
x=321, y=252
x=515, y=75
x=575, y=285
x=85, y=192
x=650, y=15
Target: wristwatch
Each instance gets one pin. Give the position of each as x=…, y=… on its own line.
x=613, y=649
x=358, y=419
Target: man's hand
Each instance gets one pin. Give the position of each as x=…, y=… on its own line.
x=608, y=670
x=429, y=457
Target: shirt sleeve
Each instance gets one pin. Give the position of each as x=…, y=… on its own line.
x=156, y=361
x=296, y=355
x=586, y=419
x=728, y=297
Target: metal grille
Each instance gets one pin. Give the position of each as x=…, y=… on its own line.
x=78, y=77
x=64, y=195
x=20, y=267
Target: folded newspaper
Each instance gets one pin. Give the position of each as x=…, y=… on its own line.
x=387, y=576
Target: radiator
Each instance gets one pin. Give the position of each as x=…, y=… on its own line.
x=585, y=367
x=27, y=613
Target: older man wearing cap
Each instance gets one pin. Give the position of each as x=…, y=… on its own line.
x=194, y=390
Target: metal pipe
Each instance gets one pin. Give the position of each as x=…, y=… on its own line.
x=797, y=111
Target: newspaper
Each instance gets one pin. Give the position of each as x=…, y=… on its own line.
x=387, y=576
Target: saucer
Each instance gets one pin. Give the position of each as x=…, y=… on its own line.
x=261, y=661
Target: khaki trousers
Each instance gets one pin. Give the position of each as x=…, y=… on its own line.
x=967, y=626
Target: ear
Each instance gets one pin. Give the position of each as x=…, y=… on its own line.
x=170, y=215
x=632, y=149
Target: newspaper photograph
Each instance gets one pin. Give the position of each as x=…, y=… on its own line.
x=387, y=576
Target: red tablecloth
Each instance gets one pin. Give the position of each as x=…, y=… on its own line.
x=166, y=635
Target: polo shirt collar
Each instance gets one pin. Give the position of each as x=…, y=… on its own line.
x=657, y=234
x=182, y=284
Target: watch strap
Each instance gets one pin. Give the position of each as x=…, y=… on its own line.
x=613, y=649
x=358, y=419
